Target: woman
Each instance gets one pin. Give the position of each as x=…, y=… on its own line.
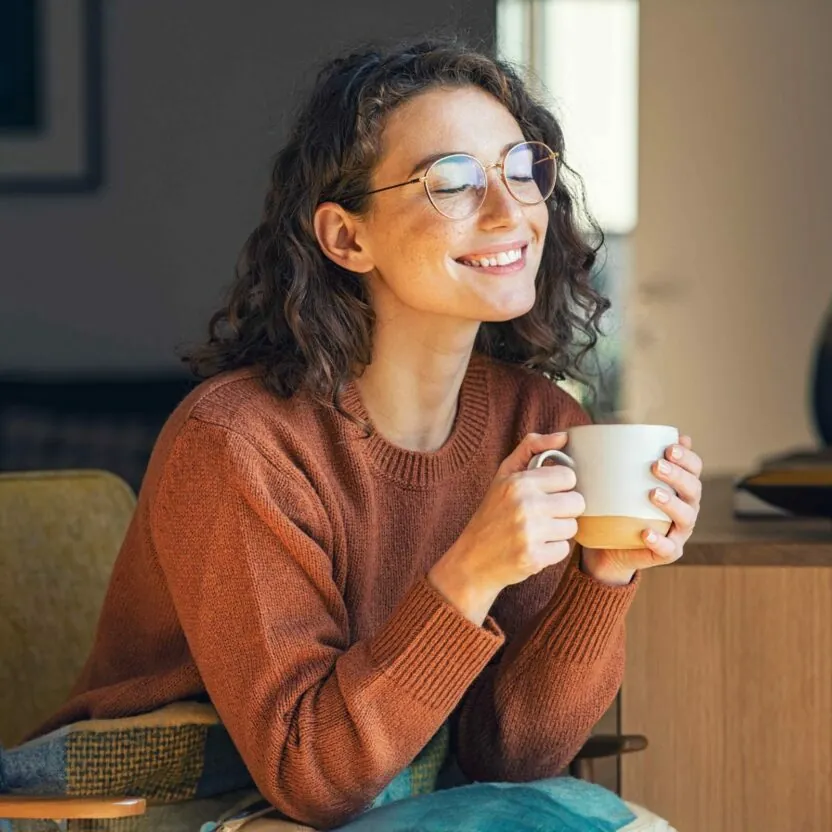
x=337, y=539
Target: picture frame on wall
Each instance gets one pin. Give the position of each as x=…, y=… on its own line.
x=50, y=96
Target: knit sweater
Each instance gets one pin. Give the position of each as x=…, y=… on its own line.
x=277, y=563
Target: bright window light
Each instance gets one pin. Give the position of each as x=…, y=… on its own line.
x=586, y=54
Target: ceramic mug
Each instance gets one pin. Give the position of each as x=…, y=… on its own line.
x=612, y=464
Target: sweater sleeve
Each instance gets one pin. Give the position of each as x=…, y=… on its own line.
x=322, y=724
x=530, y=711
x=528, y=714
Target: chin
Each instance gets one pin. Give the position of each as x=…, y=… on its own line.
x=517, y=305
x=507, y=312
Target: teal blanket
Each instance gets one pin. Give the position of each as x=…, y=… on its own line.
x=559, y=804
x=430, y=796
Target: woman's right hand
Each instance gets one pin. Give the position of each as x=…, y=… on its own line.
x=524, y=524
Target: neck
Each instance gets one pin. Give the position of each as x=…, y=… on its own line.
x=411, y=389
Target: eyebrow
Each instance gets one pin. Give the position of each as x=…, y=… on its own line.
x=435, y=157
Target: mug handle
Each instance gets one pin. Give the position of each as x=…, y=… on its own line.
x=564, y=459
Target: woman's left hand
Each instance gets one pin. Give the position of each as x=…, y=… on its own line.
x=681, y=469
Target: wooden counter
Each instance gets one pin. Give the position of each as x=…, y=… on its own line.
x=721, y=539
x=729, y=674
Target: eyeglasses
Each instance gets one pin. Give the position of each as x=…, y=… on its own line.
x=456, y=185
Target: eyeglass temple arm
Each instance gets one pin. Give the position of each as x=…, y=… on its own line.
x=553, y=155
x=399, y=185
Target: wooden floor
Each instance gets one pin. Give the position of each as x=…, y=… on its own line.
x=729, y=674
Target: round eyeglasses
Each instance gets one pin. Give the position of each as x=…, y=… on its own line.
x=456, y=185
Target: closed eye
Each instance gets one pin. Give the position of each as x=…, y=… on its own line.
x=450, y=190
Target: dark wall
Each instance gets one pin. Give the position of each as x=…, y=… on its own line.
x=196, y=97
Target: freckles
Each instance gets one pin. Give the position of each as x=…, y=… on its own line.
x=415, y=228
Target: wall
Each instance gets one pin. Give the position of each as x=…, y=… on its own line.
x=197, y=98
x=733, y=258
x=733, y=253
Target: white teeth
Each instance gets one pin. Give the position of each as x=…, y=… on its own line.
x=502, y=258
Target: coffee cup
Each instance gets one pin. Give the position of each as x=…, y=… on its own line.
x=613, y=467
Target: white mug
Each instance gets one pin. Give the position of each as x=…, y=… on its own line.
x=613, y=467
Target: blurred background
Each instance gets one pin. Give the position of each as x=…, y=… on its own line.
x=135, y=143
x=135, y=147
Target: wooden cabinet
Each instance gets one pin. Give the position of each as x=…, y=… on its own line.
x=729, y=674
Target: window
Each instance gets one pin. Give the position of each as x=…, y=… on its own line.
x=583, y=62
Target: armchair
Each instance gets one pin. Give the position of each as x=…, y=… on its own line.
x=60, y=532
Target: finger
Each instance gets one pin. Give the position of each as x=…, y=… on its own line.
x=679, y=537
x=664, y=548
x=551, y=479
x=684, y=457
x=554, y=552
x=560, y=529
x=531, y=444
x=681, y=513
x=564, y=504
x=687, y=485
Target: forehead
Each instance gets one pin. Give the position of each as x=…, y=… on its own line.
x=447, y=120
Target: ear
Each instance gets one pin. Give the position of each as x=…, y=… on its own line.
x=339, y=236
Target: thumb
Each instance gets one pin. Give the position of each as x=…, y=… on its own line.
x=532, y=443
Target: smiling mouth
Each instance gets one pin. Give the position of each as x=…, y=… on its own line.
x=499, y=262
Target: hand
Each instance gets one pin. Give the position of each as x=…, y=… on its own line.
x=617, y=566
x=525, y=523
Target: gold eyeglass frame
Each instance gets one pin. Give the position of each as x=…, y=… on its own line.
x=550, y=155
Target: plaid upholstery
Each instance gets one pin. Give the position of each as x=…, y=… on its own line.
x=160, y=762
x=179, y=752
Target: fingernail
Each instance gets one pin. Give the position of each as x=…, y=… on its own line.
x=676, y=452
x=650, y=537
x=660, y=495
x=664, y=466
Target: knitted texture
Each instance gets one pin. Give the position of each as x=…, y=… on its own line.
x=276, y=562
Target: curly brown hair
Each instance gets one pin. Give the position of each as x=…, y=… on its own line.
x=306, y=322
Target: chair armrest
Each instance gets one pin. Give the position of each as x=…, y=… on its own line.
x=69, y=808
x=599, y=746
x=611, y=745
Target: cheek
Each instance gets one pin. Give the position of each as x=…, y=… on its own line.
x=538, y=217
x=421, y=240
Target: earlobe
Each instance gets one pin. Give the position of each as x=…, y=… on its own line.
x=338, y=236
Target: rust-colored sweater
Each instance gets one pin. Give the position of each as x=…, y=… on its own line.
x=277, y=560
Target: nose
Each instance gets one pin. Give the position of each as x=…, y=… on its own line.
x=499, y=209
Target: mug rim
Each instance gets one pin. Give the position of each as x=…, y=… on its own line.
x=640, y=425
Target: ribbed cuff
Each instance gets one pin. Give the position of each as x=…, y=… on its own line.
x=583, y=616
x=431, y=650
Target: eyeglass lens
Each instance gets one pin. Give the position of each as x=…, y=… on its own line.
x=457, y=184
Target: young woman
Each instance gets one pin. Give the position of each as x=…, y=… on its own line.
x=337, y=539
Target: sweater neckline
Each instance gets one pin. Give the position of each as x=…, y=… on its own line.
x=424, y=469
